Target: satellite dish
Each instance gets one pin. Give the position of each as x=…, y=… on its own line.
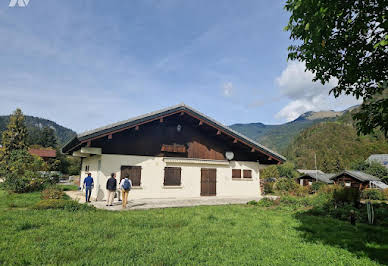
x=229, y=155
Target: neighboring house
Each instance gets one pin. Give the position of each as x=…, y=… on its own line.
x=356, y=179
x=304, y=171
x=45, y=154
x=380, y=158
x=309, y=178
x=175, y=152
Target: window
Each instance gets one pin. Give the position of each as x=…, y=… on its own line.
x=247, y=173
x=310, y=183
x=172, y=176
x=236, y=173
x=86, y=168
x=133, y=172
x=347, y=184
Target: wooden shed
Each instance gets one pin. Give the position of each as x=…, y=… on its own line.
x=354, y=179
x=309, y=178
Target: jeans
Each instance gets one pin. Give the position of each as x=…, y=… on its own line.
x=88, y=193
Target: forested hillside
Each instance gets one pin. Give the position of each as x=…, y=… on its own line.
x=35, y=125
x=278, y=137
x=336, y=145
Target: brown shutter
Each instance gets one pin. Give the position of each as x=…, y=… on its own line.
x=172, y=176
x=134, y=173
x=236, y=173
x=247, y=173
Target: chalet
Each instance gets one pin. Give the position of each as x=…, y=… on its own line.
x=310, y=177
x=379, y=158
x=356, y=179
x=175, y=152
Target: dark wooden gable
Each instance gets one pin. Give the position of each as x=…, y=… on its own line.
x=354, y=182
x=163, y=138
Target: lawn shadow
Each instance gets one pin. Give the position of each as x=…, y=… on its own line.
x=362, y=239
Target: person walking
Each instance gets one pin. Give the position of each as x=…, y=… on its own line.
x=88, y=185
x=111, y=186
x=125, y=186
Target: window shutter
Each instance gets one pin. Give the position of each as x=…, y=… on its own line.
x=236, y=173
x=172, y=176
x=247, y=173
x=134, y=173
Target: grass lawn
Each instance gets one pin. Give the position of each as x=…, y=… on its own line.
x=234, y=234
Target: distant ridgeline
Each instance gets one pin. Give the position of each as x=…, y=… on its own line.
x=278, y=137
x=34, y=124
x=330, y=135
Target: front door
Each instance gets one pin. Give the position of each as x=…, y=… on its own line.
x=208, y=182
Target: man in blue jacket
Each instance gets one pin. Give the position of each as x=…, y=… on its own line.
x=88, y=184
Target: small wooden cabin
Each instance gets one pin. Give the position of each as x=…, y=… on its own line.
x=354, y=179
x=309, y=178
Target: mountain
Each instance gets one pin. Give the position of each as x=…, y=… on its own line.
x=278, y=137
x=336, y=145
x=34, y=124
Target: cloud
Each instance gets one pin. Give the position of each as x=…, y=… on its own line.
x=227, y=89
x=296, y=84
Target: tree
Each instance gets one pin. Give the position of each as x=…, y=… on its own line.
x=287, y=170
x=347, y=41
x=47, y=138
x=372, y=168
x=22, y=172
x=15, y=136
x=270, y=172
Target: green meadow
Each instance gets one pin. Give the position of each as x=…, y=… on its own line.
x=232, y=234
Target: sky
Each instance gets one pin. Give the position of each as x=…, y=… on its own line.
x=88, y=63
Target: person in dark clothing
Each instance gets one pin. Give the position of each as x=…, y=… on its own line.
x=111, y=186
x=88, y=185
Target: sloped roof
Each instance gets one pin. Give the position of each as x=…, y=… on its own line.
x=44, y=153
x=320, y=177
x=304, y=171
x=103, y=131
x=361, y=176
x=380, y=158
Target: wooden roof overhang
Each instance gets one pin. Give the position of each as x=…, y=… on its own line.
x=108, y=131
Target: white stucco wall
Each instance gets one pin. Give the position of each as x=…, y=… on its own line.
x=152, y=177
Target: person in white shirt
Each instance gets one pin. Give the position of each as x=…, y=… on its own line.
x=125, y=186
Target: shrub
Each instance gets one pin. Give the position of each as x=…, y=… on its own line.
x=266, y=202
x=373, y=194
x=285, y=185
x=300, y=191
x=52, y=193
x=269, y=172
x=69, y=187
x=343, y=195
x=385, y=191
x=252, y=202
x=69, y=205
x=328, y=189
x=287, y=170
x=21, y=172
x=316, y=186
x=268, y=187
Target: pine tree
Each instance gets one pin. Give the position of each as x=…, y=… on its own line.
x=48, y=138
x=15, y=137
